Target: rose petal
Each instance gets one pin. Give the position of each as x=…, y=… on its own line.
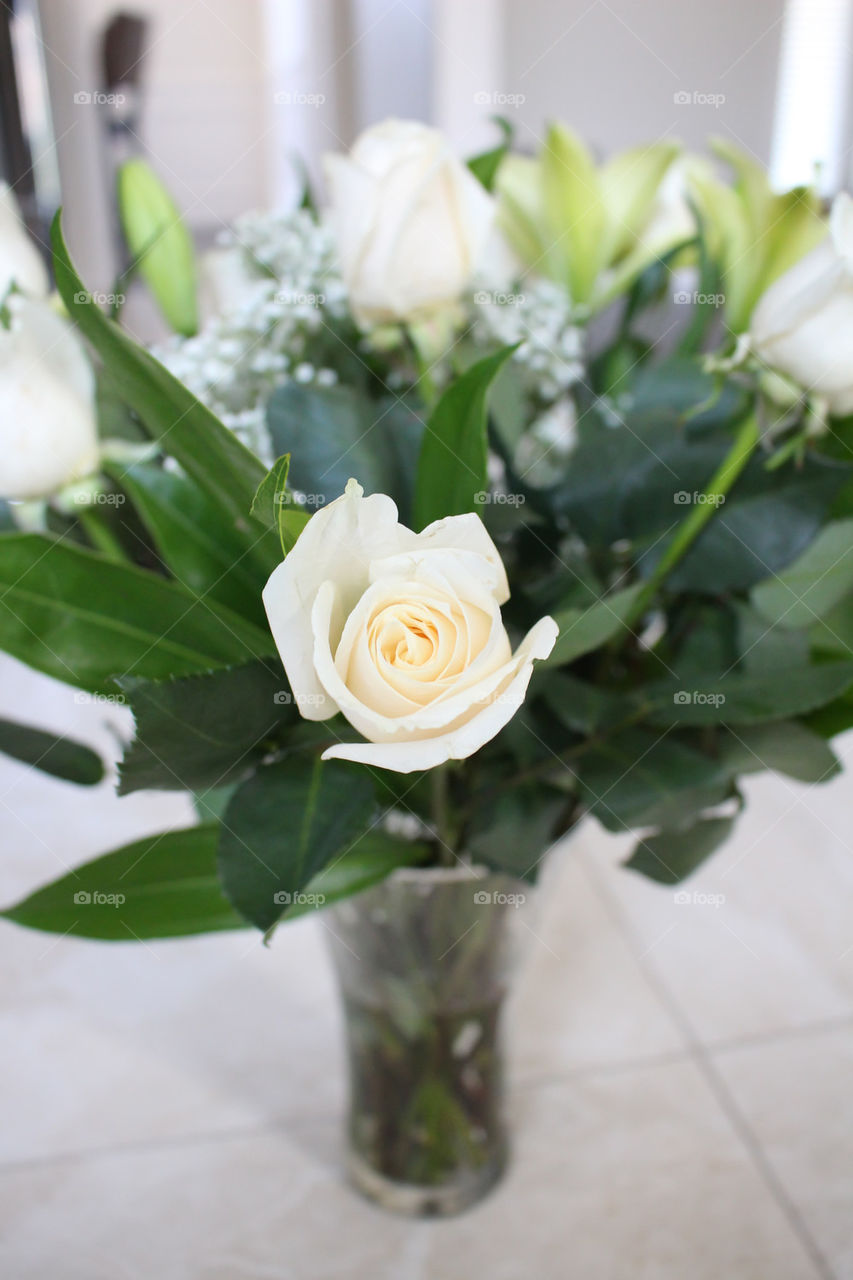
x=468, y=736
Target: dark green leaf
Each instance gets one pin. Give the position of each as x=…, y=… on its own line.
x=452, y=468
x=61, y=757
x=643, y=779
x=185, y=526
x=582, y=630
x=788, y=748
x=84, y=619
x=162, y=886
x=669, y=856
x=750, y=699
x=200, y=732
x=817, y=580
x=373, y=858
x=334, y=433
x=514, y=832
x=283, y=826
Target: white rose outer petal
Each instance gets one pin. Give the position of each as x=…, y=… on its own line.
x=352, y=561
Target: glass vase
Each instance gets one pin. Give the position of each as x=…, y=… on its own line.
x=423, y=961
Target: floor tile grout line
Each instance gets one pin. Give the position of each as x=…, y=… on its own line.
x=701, y=1057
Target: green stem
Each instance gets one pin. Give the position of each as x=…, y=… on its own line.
x=439, y=783
x=101, y=536
x=688, y=531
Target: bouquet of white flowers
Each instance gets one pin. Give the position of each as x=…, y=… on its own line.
x=493, y=496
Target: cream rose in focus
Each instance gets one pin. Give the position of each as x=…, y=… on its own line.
x=401, y=632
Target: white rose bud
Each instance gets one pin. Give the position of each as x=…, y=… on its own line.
x=803, y=324
x=20, y=261
x=401, y=632
x=48, y=431
x=411, y=222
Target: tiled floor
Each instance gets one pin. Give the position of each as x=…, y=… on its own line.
x=681, y=1071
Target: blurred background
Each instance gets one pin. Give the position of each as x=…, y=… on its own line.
x=681, y=1073
x=223, y=95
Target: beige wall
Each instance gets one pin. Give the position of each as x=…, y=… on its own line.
x=612, y=67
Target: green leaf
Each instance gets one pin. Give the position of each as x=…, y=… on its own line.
x=582, y=707
x=669, y=856
x=60, y=757
x=750, y=699
x=452, y=468
x=514, y=832
x=575, y=212
x=333, y=433
x=204, y=731
x=789, y=748
x=373, y=858
x=814, y=583
x=485, y=165
x=274, y=505
x=283, y=826
x=84, y=619
x=159, y=243
x=645, y=779
x=162, y=886
x=208, y=452
x=582, y=630
x=200, y=552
